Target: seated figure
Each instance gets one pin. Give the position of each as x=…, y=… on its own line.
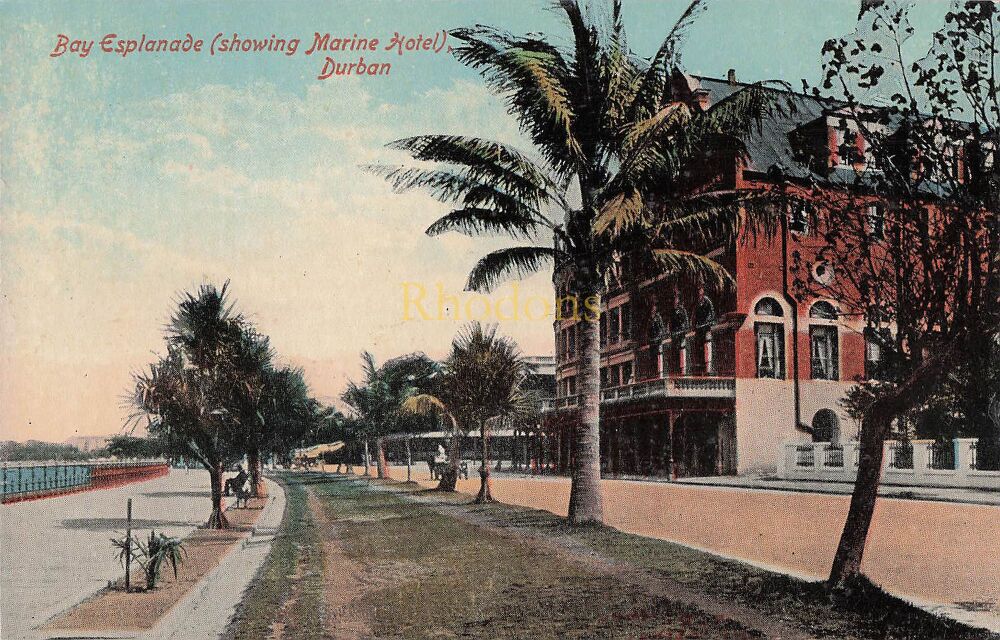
x=235, y=483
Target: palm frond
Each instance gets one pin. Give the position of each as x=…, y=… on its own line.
x=445, y=185
x=700, y=267
x=653, y=86
x=715, y=217
x=425, y=404
x=640, y=134
x=475, y=221
x=532, y=75
x=368, y=365
x=449, y=186
x=622, y=210
x=515, y=262
x=487, y=161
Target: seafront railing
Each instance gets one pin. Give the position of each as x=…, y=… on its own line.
x=30, y=480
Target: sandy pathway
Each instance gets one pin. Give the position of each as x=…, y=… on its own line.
x=55, y=552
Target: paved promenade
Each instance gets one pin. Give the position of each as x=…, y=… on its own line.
x=944, y=556
x=56, y=552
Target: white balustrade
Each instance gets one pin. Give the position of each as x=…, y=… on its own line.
x=917, y=463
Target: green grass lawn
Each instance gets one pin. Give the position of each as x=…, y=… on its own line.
x=439, y=577
x=433, y=573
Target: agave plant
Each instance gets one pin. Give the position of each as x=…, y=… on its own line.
x=150, y=556
x=161, y=548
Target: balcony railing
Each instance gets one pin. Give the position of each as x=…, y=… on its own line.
x=833, y=456
x=805, y=456
x=683, y=387
x=941, y=455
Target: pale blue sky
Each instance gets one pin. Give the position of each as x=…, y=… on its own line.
x=125, y=181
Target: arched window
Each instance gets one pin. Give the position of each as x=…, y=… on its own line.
x=823, y=310
x=824, y=344
x=704, y=313
x=826, y=427
x=768, y=307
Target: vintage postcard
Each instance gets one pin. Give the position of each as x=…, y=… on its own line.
x=500, y=319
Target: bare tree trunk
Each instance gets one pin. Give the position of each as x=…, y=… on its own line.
x=381, y=463
x=257, y=487
x=218, y=518
x=874, y=429
x=485, y=484
x=851, y=549
x=585, y=503
x=450, y=476
x=367, y=460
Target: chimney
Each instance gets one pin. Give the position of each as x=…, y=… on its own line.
x=731, y=76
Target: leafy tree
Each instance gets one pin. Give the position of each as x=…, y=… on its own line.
x=252, y=364
x=615, y=143
x=923, y=272
x=127, y=446
x=483, y=383
x=36, y=450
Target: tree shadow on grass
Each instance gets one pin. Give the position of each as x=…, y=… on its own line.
x=119, y=524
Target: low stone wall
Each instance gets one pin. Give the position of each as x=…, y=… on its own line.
x=919, y=463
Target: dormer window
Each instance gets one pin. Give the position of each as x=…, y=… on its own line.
x=850, y=147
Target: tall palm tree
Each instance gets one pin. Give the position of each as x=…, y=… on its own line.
x=483, y=383
x=613, y=143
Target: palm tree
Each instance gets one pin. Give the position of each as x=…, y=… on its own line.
x=186, y=396
x=252, y=363
x=438, y=402
x=378, y=401
x=614, y=142
x=483, y=383
x=286, y=412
